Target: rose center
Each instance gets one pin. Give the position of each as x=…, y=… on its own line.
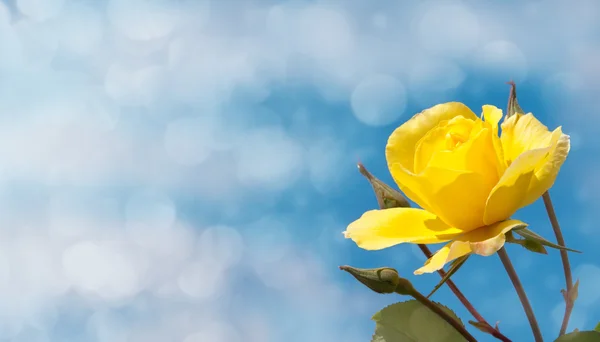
x=455, y=139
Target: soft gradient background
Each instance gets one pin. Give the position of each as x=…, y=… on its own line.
x=182, y=170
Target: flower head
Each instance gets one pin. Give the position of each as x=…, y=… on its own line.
x=467, y=179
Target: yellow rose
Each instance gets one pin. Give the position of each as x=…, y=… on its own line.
x=468, y=180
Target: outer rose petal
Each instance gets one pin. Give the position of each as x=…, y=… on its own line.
x=546, y=172
x=510, y=192
x=483, y=241
x=378, y=229
x=402, y=143
x=443, y=256
x=489, y=239
x=492, y=116
x=522, y=133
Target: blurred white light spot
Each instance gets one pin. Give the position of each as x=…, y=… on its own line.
x=39, y=43
x=40, y=10
x=172, y=245
x=151, y=209
x=378, y=100
x=562, y=83
x=4, y=16
x=66, y=215
x=270, y=159
x=589, y=278
x=12, y=55
x=31, y=335
x=151, y=217
x=504, y=60
x=205, y=74
x=83, y=28
x=268, y=239
x=10, y=325
x=41, y=311
x=435, y=75
x=564, y=90
x=380, y=21
x=99, y=269
x=434, y=78
x=40, y=270
x=324, y=33
x=102, y=112
x=202, y=279
x=277, y=22
x=288, y=273
x=108, y=327
x=256, y=327
x=143, y=19
x=196, y=14
x=327, y=170
x=221, y=244
x=449, y=29
x=214, y=332
x=4, y=270
x=134, y=87
x=189, y=141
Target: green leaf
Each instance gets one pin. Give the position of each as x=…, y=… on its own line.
x=455, y=266
x=580, y=336
x=411, y=321
x=597, y=328
x=534, y=246
x=386, y=196
x=530, y=245
x=530, y=235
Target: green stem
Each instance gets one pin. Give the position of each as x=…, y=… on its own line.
x=514, y=278
x=565, y=261
x=435, y=308
x=465, y=302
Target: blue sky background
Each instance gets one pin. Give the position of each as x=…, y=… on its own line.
x=182, y=170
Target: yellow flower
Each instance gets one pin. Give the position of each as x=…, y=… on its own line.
x=467, y=179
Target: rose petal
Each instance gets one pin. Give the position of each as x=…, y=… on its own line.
x=483, y=241
x=378, y=229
